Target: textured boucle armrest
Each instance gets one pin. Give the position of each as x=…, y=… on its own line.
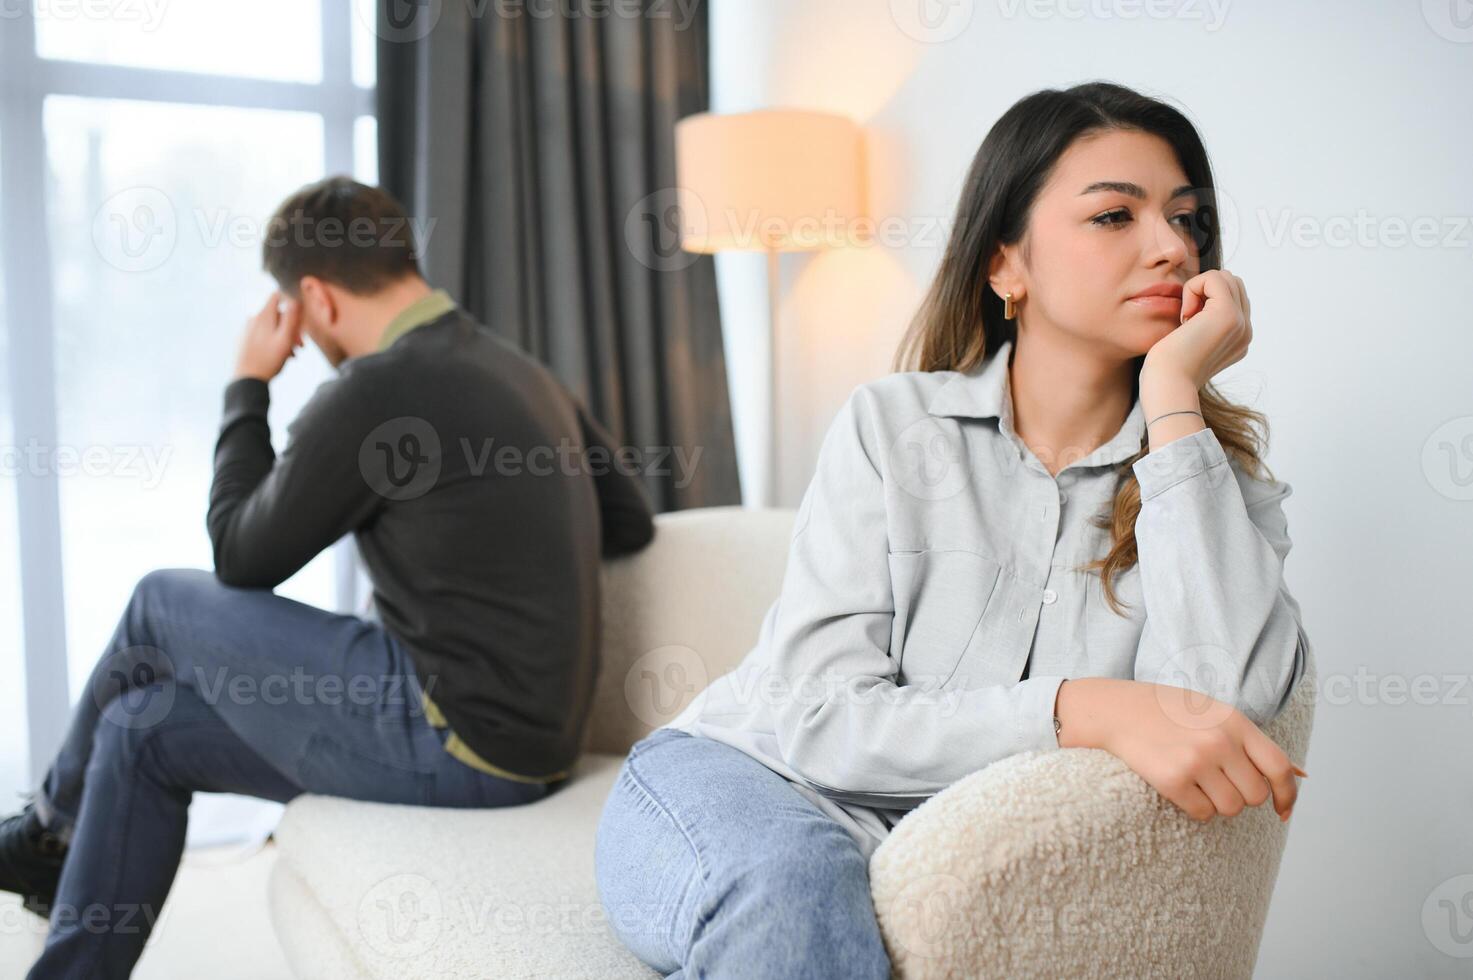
x=1067, y=863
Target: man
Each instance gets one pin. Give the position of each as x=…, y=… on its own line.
x=481, y=496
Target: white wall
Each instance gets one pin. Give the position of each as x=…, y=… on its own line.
x=1316, y=113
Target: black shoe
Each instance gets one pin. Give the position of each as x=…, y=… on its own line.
x=30, y=860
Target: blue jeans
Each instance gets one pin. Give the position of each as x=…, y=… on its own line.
x=219, y=689
x=711, y=866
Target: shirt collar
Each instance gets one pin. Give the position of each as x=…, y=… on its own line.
x=985, y=392
x=430, y=306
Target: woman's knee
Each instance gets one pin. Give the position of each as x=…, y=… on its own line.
x=795, y=908
x=817, y=861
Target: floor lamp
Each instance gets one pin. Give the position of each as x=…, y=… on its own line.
x=775, y=180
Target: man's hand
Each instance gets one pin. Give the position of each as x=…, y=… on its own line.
x=271, y=336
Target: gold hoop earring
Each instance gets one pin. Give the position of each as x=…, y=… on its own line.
x=1009, y=308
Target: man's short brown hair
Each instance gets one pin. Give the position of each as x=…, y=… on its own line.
x=346, y=233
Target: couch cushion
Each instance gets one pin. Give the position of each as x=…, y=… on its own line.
x=681, y=613
x=388, y=891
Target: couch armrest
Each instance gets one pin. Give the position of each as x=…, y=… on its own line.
x=1067, y=863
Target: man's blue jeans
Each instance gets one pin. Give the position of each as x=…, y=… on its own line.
x=710, y=865
x=220, y=689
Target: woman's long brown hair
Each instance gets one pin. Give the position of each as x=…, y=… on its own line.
x=960, y=321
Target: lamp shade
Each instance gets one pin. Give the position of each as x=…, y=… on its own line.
x=780, y=179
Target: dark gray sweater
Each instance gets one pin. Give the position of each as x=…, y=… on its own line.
x=481, y=495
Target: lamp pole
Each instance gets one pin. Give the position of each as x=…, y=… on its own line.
x=773, y=454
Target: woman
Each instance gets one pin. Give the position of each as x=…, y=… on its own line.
x=1055, y=491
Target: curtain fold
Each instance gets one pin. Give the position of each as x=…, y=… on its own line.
x=541, y=147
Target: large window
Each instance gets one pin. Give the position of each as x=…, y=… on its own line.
x=12, y=695
x=155, y=142
x=155, y=211
x=275, y=39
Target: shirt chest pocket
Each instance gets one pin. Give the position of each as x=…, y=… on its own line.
x=941, y=600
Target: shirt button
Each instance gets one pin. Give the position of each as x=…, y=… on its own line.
x=1063, y=496
x=1050, y=596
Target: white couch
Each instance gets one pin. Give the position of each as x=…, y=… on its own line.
x=1045, y=864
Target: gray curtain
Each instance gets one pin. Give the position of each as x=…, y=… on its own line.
x=541, y=145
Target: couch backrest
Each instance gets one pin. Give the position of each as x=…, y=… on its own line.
x=681, y=613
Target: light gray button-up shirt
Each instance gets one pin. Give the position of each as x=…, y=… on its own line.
x=930, y=608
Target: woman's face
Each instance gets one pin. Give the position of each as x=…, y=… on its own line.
x=1092, y=247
